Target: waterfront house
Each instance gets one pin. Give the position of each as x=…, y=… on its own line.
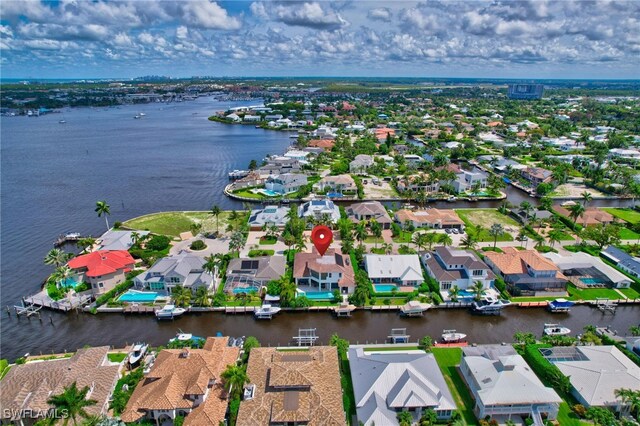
x=319, y=210
x=466, y=179
x=180, y=270
x=455, y=267
x=418, y=182
x=585, y=270
x=273, y=117
x=526, y=270
x=333, y=271
x=361, y=164
x=25, y=388
x=268, y=216
x=286, y=183
x=623, y=260
x=251, y=118
x=234, y=117
x=184, y=383
x=503, y=385
x=591, y=216
x=296, y=154
x=536, y=175
x=369, y=210
x=117, y=240
x=385, y=384
x=249, y=274
x=400, y=269
x=595, y=372
x=413, y=160
x=324, y=144
x=429, y=218
x=287, y=388
x=338, y=184
x=102, y=269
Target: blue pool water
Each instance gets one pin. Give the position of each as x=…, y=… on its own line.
x=383, y=288
x=318, y=295
x=69, y=282
x=138, y=296
x=592, y=281
x=334, y=195
x=239, y=290
x=269, y=193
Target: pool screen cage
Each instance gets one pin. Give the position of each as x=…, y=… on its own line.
x=562, y=353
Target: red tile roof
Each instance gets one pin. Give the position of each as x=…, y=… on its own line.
x=103, y=262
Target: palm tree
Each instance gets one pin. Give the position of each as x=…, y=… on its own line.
x=360, y=295
x=575, y=211
x=215, y=212
x=211, y=263
x=478, y=290
x=479, y=229
x=202, y=297
x=495, y=231
x=181, y=296
x=454, y=292
x=73, y=402
x=469, y=242
x=61, y=274
x=56, y=257
x=236, y=243
x=586, y=198
x=445, y=239
x=86, y=243
x=135, y=238
x=387, y=247
x=287, y=292
x=420, y=240
x=102, y=208
x=634, y=330
x=555, y=236
x=376, y=230
x=360, y=231
x=234, y=378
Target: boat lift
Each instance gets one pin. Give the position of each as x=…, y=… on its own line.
x=306, y=337
x=606, y=305
x=399, y=335
x=28, y=309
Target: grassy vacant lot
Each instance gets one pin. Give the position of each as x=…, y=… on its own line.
x=173, y=223
x=486, y=218
x=448, y=359
x=629, y=215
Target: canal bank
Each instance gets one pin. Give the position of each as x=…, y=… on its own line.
x=59, y=332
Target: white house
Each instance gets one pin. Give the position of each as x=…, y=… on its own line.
x=400, y=269
x=286, y=183
x=184, y=269
x=361, y=164
x=318, y=209
x=454, y=267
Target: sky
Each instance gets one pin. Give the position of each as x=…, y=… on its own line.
x=475, y=38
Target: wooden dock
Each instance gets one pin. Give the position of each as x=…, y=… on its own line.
x=239, y=309
x=67, y=238
x=138, y=309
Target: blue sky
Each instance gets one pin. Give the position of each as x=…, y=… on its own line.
x=475, y=38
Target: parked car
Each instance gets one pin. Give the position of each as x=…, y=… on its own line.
x=455, y=230
x=447, y=230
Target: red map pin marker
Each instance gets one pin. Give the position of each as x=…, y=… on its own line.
x=321, y=236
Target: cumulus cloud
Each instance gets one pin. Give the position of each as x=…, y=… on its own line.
x=380, y=14
x=206, y=14
x=308, y=14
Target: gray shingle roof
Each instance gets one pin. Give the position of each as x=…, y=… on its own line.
x=622, y=258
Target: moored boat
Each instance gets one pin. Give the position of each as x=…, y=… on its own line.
x=182, y=337
x=560, y=305
x=490, y=305
x=266, y=311
x=555, y=330
x=169, y=312
x=451, y=336
x=414, y=308
x=137, y=354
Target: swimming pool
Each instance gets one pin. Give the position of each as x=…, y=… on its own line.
x=334, y=195
x=318, y=295
x=247, y=290
x=592, y=281
x=138, y=296
x=69, y=282
x=269, y=193
x=384, y=288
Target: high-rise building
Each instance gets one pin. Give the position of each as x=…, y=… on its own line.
x=525, y=91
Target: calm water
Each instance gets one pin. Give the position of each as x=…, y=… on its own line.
x=172, y=159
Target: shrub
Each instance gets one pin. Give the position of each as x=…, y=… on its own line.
x=198, y=245
x=580, y=410
x=82, y=287
x=158, y=243
x=117, y=225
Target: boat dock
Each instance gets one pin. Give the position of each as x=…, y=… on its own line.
x=67, y=238
x=138, y=309
x=398, y=335
x=344, y=309
x=306, y=337
x=239, y=309
x=67, y=304
x=606, y=305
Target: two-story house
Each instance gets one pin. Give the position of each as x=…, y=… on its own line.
x=454, y=267
x=184, y=269
x=361, y=164
x=343, y=184
x=526, y=270
x=319, y=209
x=102, y=269
x=286, y=183
x=429, y=218
x=333, y=271
x=536, y=175
x=466, y=180
x=400, y=269
x=369, y=210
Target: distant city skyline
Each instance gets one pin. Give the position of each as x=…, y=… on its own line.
x=532, y=39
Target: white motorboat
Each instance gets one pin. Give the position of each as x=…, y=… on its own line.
x=266, y=311
x=490, y=305
x=137, y=116
x=555, y=330
x=414, y=308
x=137, y=353
x=169, y=312
x=451, y=336
x=142, y=114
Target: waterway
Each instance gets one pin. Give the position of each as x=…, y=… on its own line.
x=173, y=158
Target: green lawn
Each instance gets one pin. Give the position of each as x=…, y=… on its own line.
x=117, y=357
x=448, y=359
x=566, y=417
x=404, y=237
x=532, y=299
x=628, y=234
x=173, y=223
x=268, y=241
x=248, y=194
x=379, y=301
x=630, y=293
x=486, y=218
x=261, y=252
x=591, y=293
x=373, y=240
x=564, y=236
x=630, y=215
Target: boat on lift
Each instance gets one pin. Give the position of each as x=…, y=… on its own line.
x=137, y=354
x=560, y=305
x=266, y=311
x=490, y=305
x=452, y=336
x=169, y=312
x=414, y=308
